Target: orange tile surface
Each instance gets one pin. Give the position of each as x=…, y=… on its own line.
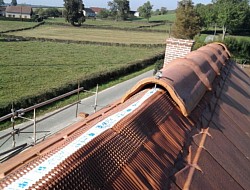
x=184, y=136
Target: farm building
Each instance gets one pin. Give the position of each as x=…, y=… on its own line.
x=134, y=13
x=19, y=12
x=89, y=13
x=97, y=10
x=185, y=128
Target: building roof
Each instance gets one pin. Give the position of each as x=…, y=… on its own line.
x=89, y=10
x=96, y=9
x=19, y=9
x=187, y=128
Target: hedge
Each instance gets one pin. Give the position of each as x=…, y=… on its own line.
x=17, y=19
x=21, y=38
x=239, y=48
x=21, y=29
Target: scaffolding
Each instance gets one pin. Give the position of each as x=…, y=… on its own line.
x=15, y=114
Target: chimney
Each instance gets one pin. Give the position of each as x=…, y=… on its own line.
x=177, y=48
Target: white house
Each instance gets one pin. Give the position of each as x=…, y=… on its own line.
x=89, y=13
x=134, y=13
x=137, y=14
x=19, y=11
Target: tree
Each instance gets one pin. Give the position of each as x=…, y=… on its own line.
x=2, y=2
x=164, y=10
x=246, y=22
x=207, y=14
x=104, y=13
x=74, y=12
x=157, y=12
x=13, y=2
x=187, y=23
x=40, y=12
x=230, y=14
x=53, y=12
x=146, y=10
x=119, y=9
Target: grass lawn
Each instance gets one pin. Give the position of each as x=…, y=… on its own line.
x=168, y=17
x=11, y=25
x=29, y=68
x=103, y=22
x=90, y=34
x=71, y=99
x=136, y=23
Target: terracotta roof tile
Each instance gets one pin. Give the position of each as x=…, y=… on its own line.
x=19, y=9
x=185, y=135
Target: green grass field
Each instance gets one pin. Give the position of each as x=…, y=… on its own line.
x=11, y=25
x=103, y=22
x=96, y=35
x=136, y=23
x=29, y=68
x=33, y=67
x=168, y=17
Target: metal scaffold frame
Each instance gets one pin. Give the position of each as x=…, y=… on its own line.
x=15, y=114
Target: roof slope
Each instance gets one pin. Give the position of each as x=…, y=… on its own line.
x=154, y=138
x=19, y=9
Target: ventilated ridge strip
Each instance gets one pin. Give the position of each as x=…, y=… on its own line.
x=92, y=172
x=22, y=170
x=65, y=170
x=25, y=169
x=106, y=159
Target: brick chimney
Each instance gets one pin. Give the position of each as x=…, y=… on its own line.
x=177, y=48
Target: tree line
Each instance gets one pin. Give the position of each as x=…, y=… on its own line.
x=230, y=15
x=13, y=2
x=118, y=10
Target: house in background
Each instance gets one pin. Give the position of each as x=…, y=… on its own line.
x=89, y=13
x=134, y=13
x=2, y=10
x=97, y=10
x=19, y=12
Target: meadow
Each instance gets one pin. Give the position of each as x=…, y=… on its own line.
x=93, y=34
x=33, y=68
x=170, y=17
x=30, y=68
x=103, y=22
x=13, y=25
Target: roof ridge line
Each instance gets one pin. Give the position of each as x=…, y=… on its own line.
x=188, y=84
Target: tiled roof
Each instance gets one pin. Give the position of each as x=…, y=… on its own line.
x=96, y=9
x=190, y=131
x=19, y=9
x=89, y=10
